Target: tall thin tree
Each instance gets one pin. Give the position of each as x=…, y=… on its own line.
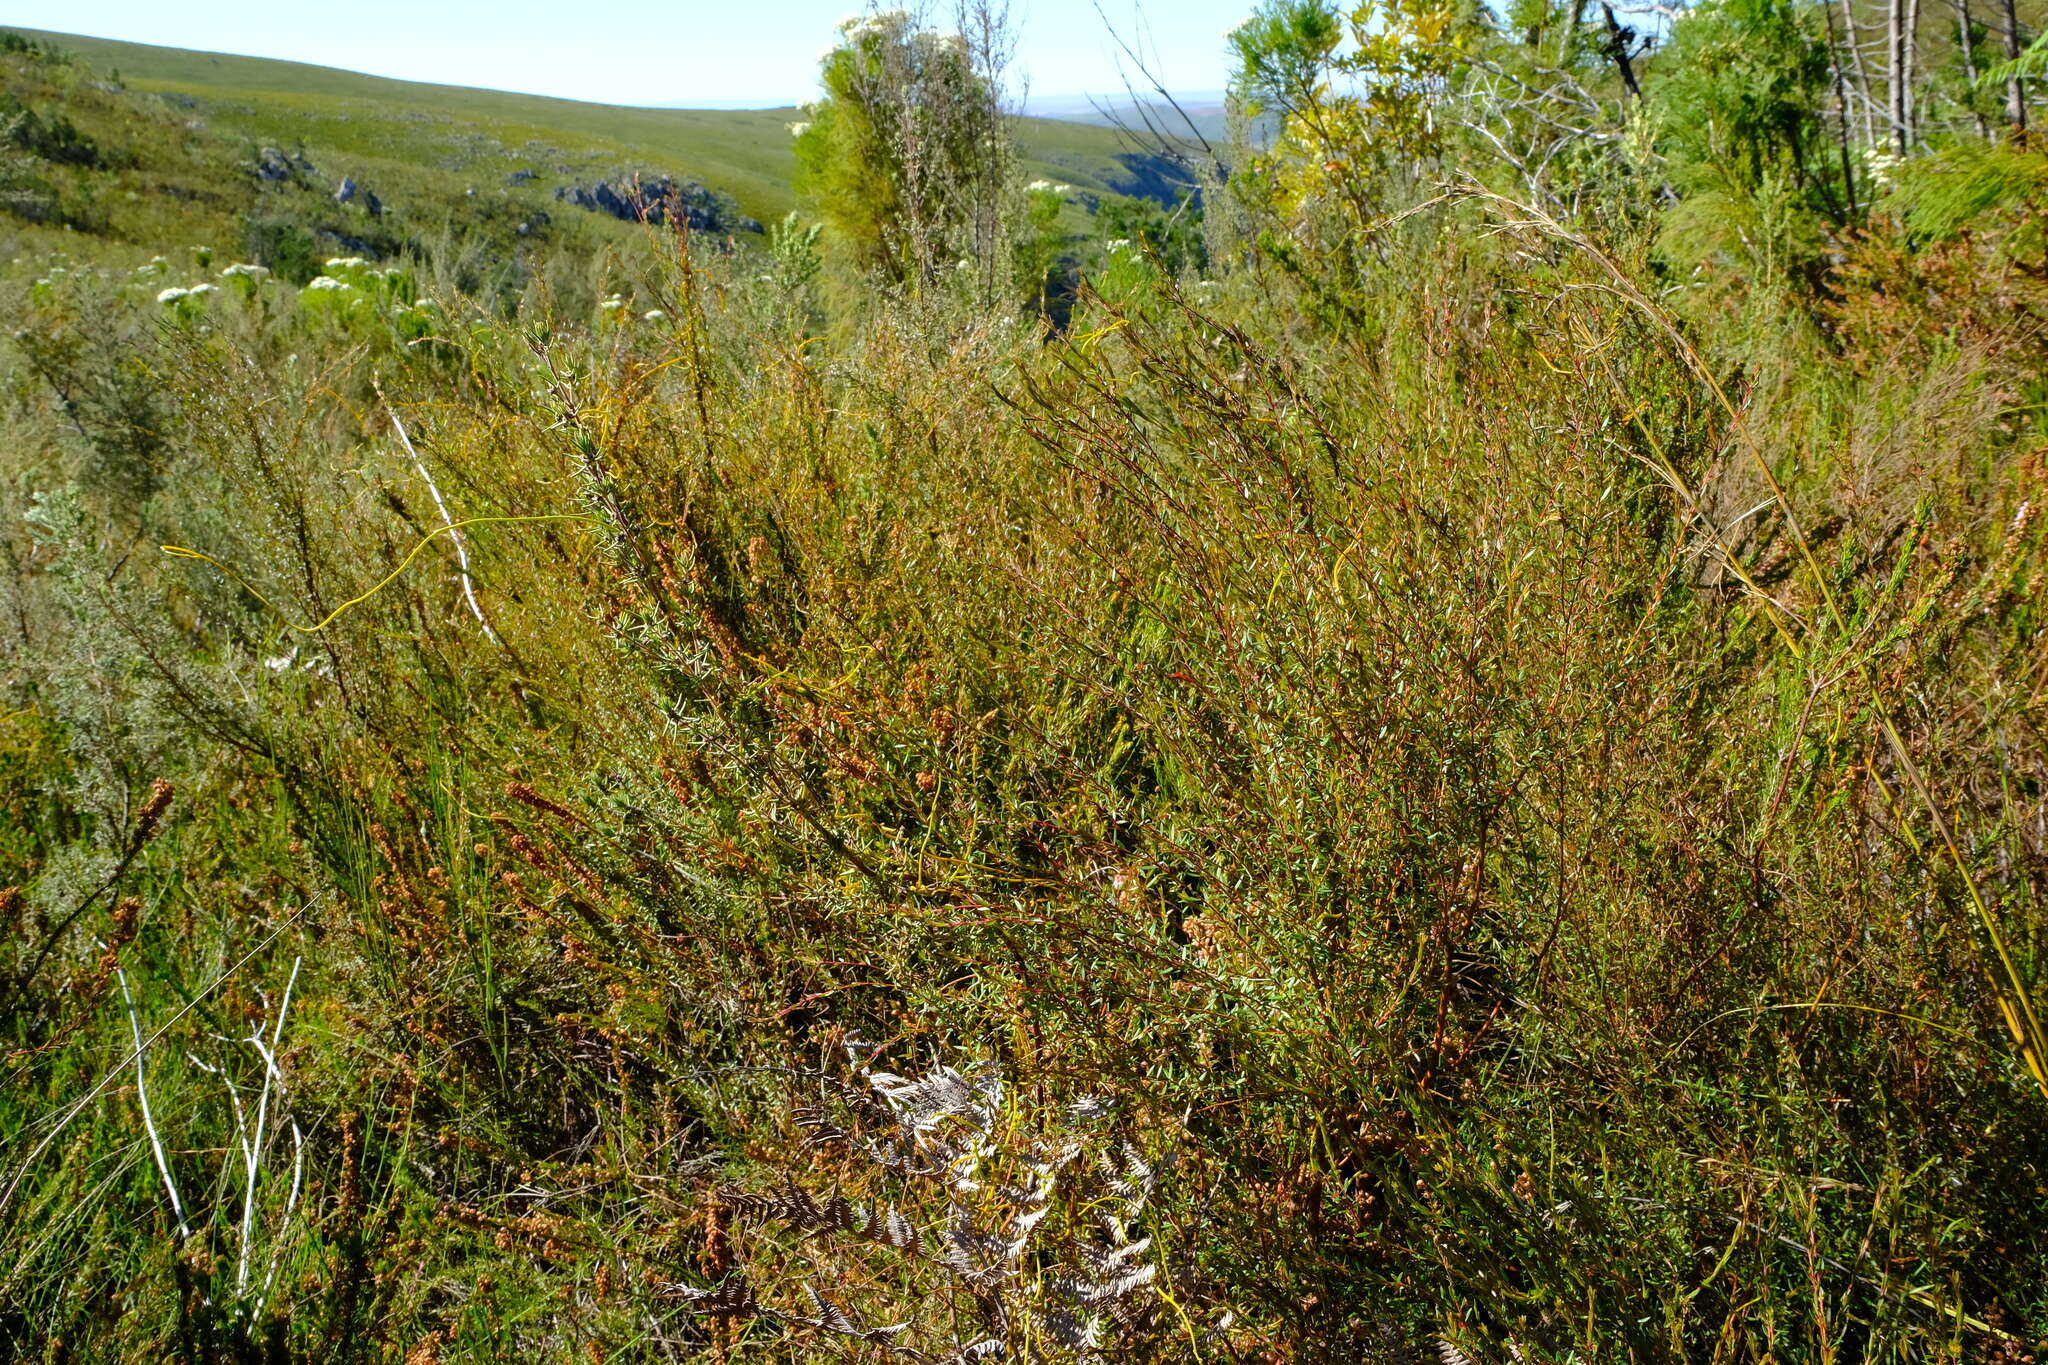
x=1912, y=73
x=1841, y=108
x=1865, y=101
x=1895, y=70
x=2015, y=89
x=1966, y=44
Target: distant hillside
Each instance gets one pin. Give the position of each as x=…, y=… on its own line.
x=1207, y=112
x=371, y=128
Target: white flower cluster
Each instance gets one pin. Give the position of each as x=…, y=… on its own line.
x=324, y=282
x=1048, y=187
x=173, y=295
x=1880, y=167
x=347, y=263
x=1117, y=244
x=874, y=25
x=246, y=270
x=47, y=283
x=799, y=129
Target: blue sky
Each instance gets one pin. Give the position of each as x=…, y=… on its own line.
x=673, y=52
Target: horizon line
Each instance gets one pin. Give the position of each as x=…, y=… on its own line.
x=1076, y=100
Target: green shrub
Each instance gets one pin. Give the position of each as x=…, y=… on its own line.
x=1175, y=234
x=283, y=245
x=907, y=154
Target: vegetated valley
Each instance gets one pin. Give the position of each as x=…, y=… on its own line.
x=885, y=732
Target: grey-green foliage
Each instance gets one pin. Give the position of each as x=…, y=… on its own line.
x=95, y=357
x=115, y=712
x=793, y=246
x=24, y=191
x=796, y=266
x=51, y=137
x=908, y=155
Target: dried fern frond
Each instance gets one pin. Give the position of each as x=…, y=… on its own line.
x=1106, y=1290
x=1113, y=1260
x=1089, y=1109
x=975, y=1255
x=795, y=1208
x=940, y=1094
x=1080, y=1332
x=831, y=1316
x=988, y=1181
x=731, y=1297
x=1133, y=1182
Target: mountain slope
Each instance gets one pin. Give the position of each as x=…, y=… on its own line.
x=365, y=126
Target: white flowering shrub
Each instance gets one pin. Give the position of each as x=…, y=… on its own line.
x=358, y=296
x=245, y=279
x=187, y=302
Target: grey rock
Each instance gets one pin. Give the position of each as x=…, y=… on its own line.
x=637, y=199
x=352, y=193
x=354, y=246
x=276, y=166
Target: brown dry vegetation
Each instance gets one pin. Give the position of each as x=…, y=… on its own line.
x=1517, y=801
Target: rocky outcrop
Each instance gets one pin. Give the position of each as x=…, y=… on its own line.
x=273, y=165
x=349, y=193
x=636, y=199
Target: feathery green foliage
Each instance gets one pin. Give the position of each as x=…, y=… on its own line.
x=1969, y=183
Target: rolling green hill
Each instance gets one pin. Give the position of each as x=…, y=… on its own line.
x=382, y=131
